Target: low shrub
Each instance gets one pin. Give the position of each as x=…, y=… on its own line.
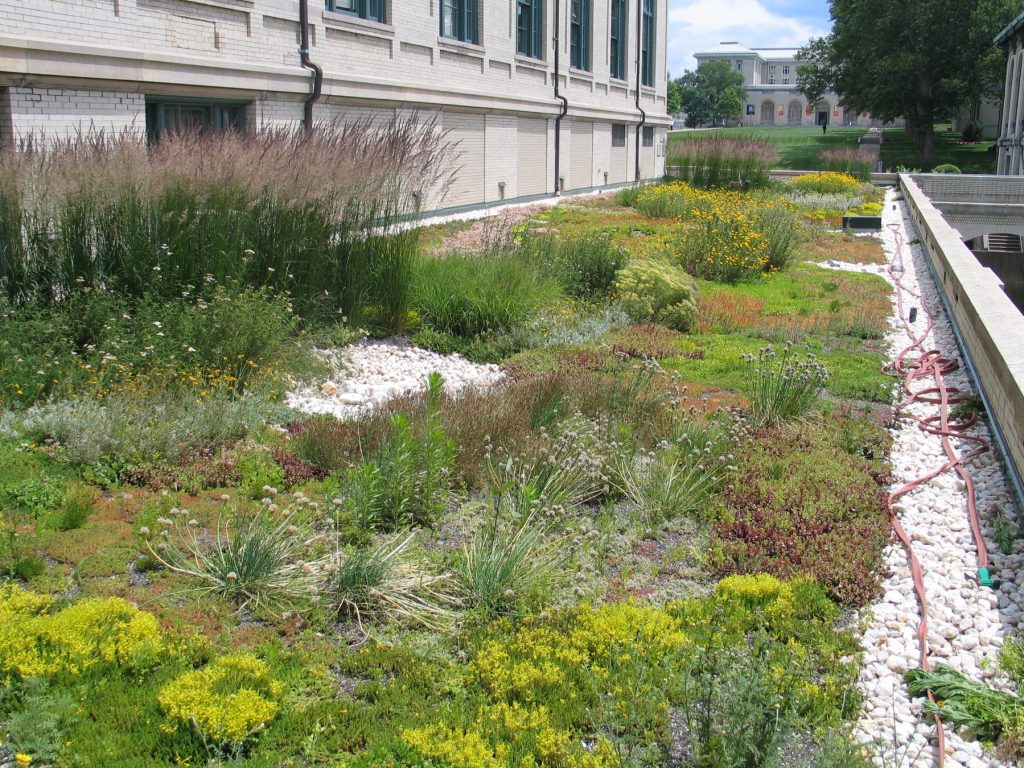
x=946, y=168
x=92, y=634
x=128, y=430
x=827, y=183
x=228, y=702
x=801, y=505
x=407, y=481
x=657, y=291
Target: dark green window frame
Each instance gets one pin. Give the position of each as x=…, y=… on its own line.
x=529, y=24
x=647, y=44
x=374, y=10
x=579, y=35
x=618, y=39
x=170, y=115
x=459, y=20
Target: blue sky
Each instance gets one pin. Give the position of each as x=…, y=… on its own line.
x=695, y=25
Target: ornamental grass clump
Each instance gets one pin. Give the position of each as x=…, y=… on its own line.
x=565, y=469
x=782, y=388
x=848, y=160
x=509, y=566
x=678, y=478
x=715, y=162
x=226, y=703
x=388, y=582
x=255, y=562
x=307, y=213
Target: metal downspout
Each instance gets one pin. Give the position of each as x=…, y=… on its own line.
x=560, y=97
x=639, y=59
x=318, y=73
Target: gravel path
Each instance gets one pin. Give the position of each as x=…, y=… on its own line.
x=967, y=622
x=369, y=373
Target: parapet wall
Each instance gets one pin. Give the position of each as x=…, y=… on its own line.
x=989, y=325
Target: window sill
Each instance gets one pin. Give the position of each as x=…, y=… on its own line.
x=470, y=49
x=356, y=24
x=583, y=74
x=648, y=90
x=619, y=81
x=522, y=60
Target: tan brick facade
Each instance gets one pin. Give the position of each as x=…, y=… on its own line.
x=72, y=65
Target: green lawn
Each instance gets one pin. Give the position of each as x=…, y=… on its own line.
x=899, y=150
x=798, y=145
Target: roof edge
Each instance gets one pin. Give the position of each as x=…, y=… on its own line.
x=1010, y=28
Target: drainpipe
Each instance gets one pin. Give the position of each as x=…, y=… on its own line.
x=639, y=59
x=565, y=106
x=318, y=74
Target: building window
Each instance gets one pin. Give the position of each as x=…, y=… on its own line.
x=374, y=10
x=771, y=74
x=618, y=135
x=579, y=35
x=185, y=116
x=648, y=136
x=739, y=65
x=618, y=40
x=459, y=20
x=647, y=44
x=529, y=22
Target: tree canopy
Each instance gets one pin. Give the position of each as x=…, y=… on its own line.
x=713, y=91
x=922, y=60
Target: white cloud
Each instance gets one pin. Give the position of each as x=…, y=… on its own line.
x=702, y=24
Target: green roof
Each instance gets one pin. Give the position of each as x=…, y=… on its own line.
x=1012, y=27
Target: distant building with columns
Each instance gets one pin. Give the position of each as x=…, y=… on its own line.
x=1011, y=125
x=769, y=75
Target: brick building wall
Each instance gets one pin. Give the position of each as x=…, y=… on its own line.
x=72, y=65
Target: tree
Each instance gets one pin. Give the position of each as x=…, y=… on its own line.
x=922, y=60
x=675, y=97
x=711, y=92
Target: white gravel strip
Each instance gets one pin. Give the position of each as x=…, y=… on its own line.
x=371, y=372
x=967, y=622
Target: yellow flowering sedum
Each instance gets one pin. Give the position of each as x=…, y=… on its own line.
x=825, y=182
x=91, y=633
x=227, y=701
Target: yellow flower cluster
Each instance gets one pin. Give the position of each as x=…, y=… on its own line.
x=724, y=235
x=825, y=182
x=556, y=663
x=91, y=633
x=228, y=701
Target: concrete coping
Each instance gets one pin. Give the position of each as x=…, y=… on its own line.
x=988, y=324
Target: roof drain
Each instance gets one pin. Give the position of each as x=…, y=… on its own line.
x=318, y=74
x=565, y=107
x=639, y=59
